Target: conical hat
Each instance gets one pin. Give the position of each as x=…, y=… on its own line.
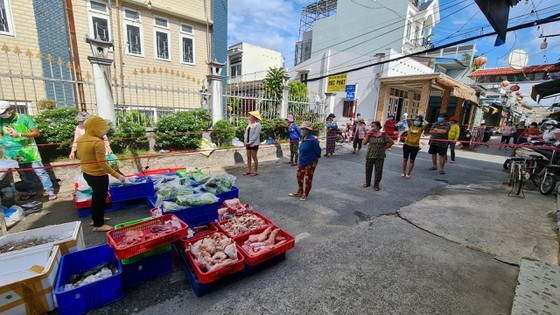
x=256, y=114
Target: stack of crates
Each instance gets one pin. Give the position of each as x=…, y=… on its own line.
x=148, y=265
x=131, y=195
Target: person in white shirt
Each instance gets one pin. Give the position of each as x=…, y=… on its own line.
x=551, y=133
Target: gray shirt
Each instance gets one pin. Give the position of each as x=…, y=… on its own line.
x=253, y=135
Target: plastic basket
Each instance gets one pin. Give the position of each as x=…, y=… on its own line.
x=236, y=237
x=153, y=252
x=193, y=216
x=233, y=193
x=93, y=295
x=160, y=171
x=87, y=203
x=131, y=192
x=148, y=268
x=207, y=277
x=115, y=237
x=253, y=260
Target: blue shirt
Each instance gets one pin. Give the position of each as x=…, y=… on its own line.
x=309, y=150
x=294, y=131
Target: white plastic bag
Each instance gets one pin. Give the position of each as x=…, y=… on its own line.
x=15, y=217
x=81, y=183
x=237, y=143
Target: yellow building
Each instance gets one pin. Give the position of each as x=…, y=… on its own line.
x=161, y=50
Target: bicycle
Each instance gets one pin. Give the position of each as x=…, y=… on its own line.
x=516, y=176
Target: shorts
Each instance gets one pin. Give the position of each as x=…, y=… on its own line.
x=436, y=149
x=410, y=152
x=253, y=148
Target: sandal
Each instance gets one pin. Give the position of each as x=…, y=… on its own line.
x=403, y=176
x=303, y=198
x=366, y=185
x=254, y=174
x=407, y=177
x=104, y=228
x=376, y=188
x=104, y=219
x=246, y=173
x=433, y=168
x=296, y=194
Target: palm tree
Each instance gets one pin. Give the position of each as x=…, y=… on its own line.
x=273, y=84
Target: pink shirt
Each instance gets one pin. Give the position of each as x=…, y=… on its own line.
x=361, y=131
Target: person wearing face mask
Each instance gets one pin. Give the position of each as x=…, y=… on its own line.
x=453, y=136
x=412, y=145
x=91, y=151
x=309, y=155
x=378, y=142
x=530, y=133
x=332, y=134
x=551, y=133
x=507, y=133
x=18, y=140
x=438, y=142
x=389, y=127
x=80, y=131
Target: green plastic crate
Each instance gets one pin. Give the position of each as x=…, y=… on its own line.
x=153, y=252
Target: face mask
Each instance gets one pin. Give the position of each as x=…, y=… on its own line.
x=391, y=118
x=5, y=115
x=417, y=123
x=549, y=127
x=440, y=119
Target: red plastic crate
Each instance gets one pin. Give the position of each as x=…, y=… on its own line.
x=114, y=237
x=253, y=260
x=268, y=223
x=87, y=203
x=208, y=277
x=160, y=171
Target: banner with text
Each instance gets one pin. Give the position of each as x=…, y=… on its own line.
x=336, y=83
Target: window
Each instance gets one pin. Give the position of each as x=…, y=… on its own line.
x=187, y=44
x=161, y=22
x=235, y=70
x=133, y=32
x=347, y=108
x=6, y=23
x=99, y=25
x=162, y=45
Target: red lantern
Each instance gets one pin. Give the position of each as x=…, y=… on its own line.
x=504, y=83
x=480, y=61
x=514, y=88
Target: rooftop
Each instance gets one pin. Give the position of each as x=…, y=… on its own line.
x=511, y=71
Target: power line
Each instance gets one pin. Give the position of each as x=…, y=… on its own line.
x=550, y=19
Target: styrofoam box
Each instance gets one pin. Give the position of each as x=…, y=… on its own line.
x=24, y=291
x=71, y=237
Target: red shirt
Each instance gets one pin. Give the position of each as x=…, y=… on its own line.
x=390, y=127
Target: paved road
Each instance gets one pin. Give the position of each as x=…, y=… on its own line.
x=354, y=253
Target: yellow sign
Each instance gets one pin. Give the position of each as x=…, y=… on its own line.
x=337, y=83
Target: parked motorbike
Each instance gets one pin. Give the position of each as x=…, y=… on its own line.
x=535, y=160
x=551, y=173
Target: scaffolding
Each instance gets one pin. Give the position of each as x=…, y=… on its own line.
x=313, y=12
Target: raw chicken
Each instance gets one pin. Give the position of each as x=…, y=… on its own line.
x=233, y=207
x=242, y=224
x=213, y=252
x=267, y=240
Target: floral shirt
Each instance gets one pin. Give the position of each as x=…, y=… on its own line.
x=23, y=149
x=376, y=147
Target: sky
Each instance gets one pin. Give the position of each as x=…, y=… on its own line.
x=274, y=24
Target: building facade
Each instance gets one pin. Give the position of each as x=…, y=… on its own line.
x=160, y=53
x=248, y=62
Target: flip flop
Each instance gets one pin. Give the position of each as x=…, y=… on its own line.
x=247, y=173
x=296, y=194
x=303, y=198
x=254, y=174
x=104, y=219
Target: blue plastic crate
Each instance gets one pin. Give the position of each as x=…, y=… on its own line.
x=233, y=193
x=193, y=216
x=119, y=205
x=131, y=192
x=148, y=268
x=86, y=212
x=90, y=296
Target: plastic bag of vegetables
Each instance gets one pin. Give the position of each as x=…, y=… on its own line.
x=220, y=183
x=196, y=199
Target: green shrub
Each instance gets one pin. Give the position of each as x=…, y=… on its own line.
x=56, y=125
x=222, y=134
x=46, y=104
x=172, y=129
x=240, y=132
x=318, y=128
x=135, y=117
x=123, y=132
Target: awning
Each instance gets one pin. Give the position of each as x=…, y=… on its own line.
x=545, y=89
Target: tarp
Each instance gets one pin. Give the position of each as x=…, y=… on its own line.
x=545, y=89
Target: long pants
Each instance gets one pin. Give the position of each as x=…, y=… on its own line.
x=452, y=150
x=28, y=180
x=305, y=173
x=378, y=163
x=99, y=185
x=357, y=143
x=294, y=145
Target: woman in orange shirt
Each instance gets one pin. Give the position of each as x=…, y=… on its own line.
x=532, y=131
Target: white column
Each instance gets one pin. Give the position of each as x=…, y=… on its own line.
x=330, y=101
x=103, y=91
x=215, y=80
x=285, y=102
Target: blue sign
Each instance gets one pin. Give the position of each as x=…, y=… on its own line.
x=351, y=92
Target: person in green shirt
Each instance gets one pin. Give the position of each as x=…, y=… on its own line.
x=18, y=141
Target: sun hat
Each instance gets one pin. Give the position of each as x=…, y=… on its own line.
x=306, y=125
x=83, y=116
x=290, y=118
x=331, y=115
x=4, y=105
x=361, y=120
x=256, y=114
x=453, y=118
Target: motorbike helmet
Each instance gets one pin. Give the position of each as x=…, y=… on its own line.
x=550, y=122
